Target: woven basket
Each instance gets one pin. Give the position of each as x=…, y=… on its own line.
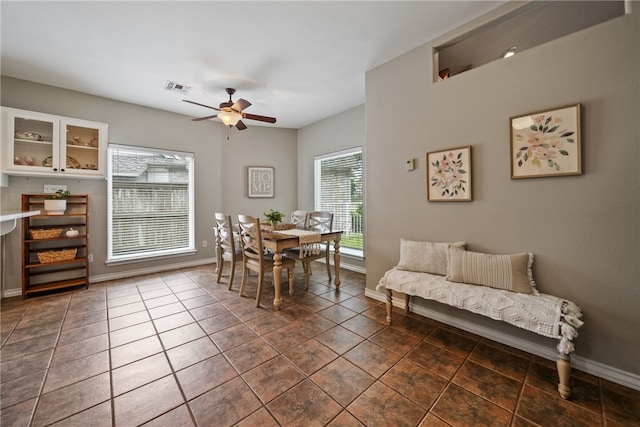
x=57, y=256
x=271, y=228
x=45, y=233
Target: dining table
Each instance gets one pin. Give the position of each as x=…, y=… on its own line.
x=278, y=243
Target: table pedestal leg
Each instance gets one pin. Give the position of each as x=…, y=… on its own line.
x=336, y=262
x=277, y=282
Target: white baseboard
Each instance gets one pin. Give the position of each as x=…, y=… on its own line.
x=354, y=268
x=12, y=293
x=346, y=266
x=589, y=366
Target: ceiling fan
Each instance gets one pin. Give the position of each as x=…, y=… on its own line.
x=231, y=113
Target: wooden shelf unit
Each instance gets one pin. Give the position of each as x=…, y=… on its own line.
x=40, y=277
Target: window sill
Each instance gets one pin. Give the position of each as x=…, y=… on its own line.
x=149, y=257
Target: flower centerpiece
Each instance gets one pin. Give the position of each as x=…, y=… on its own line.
x=56, y=204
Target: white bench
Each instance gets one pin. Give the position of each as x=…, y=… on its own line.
x=540, y=313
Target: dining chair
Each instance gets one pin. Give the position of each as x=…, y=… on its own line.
x=226, y=246
x=299, y=218
x=254, y=257
x=322, y=222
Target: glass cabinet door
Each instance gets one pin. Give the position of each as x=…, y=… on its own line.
x=32, y=142
x=84, y=143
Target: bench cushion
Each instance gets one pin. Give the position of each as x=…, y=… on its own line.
x=508, y=272
x=425, y=257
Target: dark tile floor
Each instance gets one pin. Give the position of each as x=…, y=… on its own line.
x=178, y=349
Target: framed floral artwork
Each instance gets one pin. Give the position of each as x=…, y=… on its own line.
x=261, y=181
x=546, y=143
x=449, y=175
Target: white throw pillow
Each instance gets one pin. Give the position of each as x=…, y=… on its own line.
x=425, y=257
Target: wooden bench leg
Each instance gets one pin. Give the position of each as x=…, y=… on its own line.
x=407, y=298
x=389, y=305
x=564, y=372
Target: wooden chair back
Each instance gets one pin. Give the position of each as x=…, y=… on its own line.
x=225, y=245
x=251, y=239
x=254, y=257
x=299, y=218
x=321, y=221
x=224, y=235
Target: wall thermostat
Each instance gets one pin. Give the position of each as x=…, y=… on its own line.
x=411, y=164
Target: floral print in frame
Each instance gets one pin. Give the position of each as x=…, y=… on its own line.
x=546, y=143
x=449, y=175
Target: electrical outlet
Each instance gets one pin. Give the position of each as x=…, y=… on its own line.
x=204, y=243
x=49, y=188
x=90, y=257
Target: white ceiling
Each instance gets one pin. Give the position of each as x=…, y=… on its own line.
x=297, y=61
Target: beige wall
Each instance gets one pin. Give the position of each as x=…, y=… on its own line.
x=584, y=230
x=336, y=133
x=220, y=168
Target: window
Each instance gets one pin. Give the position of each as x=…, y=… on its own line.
x=339, y=189
x=150, y=203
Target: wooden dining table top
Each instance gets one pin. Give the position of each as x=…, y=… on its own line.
x=325, y=236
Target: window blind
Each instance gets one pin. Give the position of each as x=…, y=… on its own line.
x=339, y=189
x=150, y=202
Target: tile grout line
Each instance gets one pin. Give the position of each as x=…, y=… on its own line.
x=603, y=418
x=112, y=400
x=521, y=392
x=175, y=375
x=449, y=380
x=166, y=356
x=46, y=374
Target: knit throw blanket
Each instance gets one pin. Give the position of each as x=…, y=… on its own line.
x=543, y=314
x=309, y=241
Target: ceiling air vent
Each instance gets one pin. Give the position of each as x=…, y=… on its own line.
x=177, y=87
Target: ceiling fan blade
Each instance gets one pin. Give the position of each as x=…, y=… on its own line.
x=204, y=118
x=202, y=105
x=240, y=125
x=259, y=118
x=241, y=104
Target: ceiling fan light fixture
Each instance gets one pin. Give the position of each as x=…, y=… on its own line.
x=229, y=118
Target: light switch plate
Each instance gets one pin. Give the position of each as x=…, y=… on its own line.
x=49, y=188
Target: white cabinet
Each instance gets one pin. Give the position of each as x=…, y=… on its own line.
x=38, y=144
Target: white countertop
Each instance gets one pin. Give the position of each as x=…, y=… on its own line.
x=9, y=215
x=8, y=219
